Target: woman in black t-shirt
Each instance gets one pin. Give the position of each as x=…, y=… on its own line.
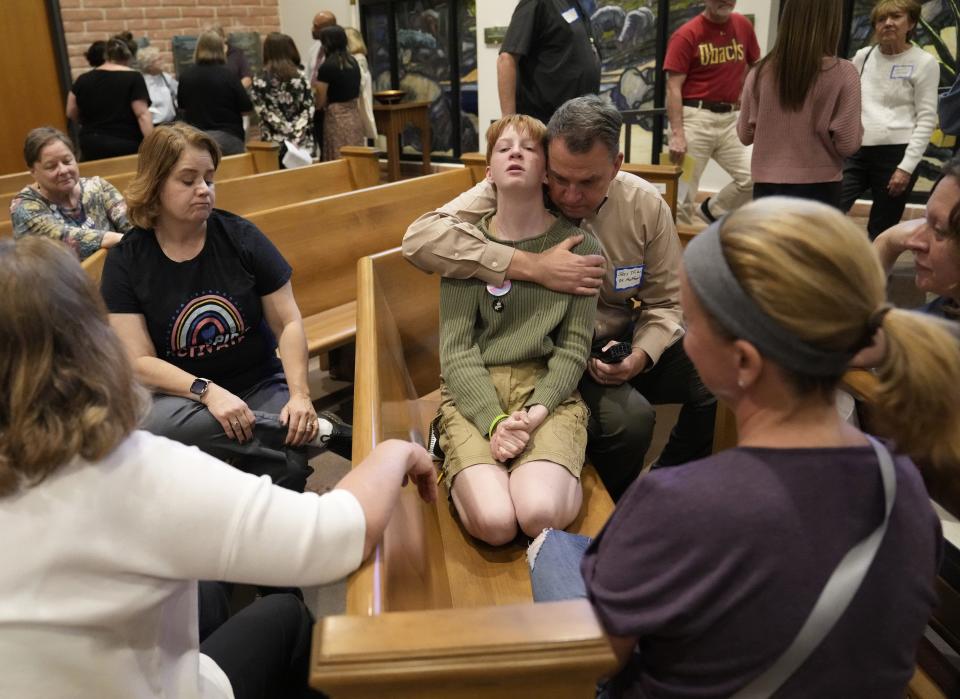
x=112, y=105
x=201, y=300
x=337, y=92
x=212, y=97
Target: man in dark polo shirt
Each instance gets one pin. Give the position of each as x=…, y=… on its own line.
x=707, y=60
x=547, y=57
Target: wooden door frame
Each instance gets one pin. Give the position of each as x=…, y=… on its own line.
x=61, y=56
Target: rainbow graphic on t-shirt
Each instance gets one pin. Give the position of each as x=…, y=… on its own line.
x=206, y=324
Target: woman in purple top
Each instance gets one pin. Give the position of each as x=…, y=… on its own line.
x=800, y=107
x=706, y=572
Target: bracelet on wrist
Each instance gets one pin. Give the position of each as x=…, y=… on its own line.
x=496, y=421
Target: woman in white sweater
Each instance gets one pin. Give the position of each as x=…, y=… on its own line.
x=106, y=529
x=898, y=83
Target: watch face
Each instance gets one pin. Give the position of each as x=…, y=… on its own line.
x=199, y=387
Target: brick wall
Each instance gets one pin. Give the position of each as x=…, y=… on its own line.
x=86, y=21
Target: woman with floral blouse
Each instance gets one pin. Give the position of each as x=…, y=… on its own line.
x=86, y=213
x=282, y=97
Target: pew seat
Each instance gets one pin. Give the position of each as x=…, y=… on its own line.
x=331, y=328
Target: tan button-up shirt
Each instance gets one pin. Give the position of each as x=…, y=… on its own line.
x=634, y=225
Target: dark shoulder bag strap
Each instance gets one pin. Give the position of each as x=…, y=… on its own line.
x=867, y=58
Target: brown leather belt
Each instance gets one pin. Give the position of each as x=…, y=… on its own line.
x=720, y=107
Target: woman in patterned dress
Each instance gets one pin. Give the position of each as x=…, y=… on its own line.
x=282, y=97
x=86, y=213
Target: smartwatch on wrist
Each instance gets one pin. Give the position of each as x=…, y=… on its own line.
x=199, y=387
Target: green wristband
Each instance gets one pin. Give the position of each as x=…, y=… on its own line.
x=496, y=421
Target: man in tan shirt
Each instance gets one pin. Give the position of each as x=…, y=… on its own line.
x=638, y=286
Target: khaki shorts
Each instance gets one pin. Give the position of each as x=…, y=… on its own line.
x=562, y=438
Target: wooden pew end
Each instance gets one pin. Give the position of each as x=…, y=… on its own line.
x=555, y=649
x=266, y=155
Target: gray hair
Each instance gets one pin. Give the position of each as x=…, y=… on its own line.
x=40, y=138
x=148, y=55
x=583, y=121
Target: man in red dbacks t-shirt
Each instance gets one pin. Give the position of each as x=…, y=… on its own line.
x=707, y=60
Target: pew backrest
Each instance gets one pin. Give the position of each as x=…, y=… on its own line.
x=666, y=178
x=323, y=239
x=93, y=265
x=245, y=195
x=16, y=181
x=260, y=157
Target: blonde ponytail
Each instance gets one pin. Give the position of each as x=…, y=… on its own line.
x=919, y=381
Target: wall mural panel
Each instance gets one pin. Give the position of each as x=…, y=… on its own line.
x=626, y=32
x=423, y=40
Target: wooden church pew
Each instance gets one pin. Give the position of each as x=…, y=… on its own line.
x=358, y=168
x=323, y=239
x=260, y=157
x=93, y=265
x=434, y=613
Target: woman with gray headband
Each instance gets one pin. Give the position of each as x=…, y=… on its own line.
x=801, y=562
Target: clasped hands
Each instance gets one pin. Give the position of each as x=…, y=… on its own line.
x=512, y=434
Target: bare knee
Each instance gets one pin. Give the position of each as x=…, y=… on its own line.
x=481, y=495
x=493, y=524
x=491, y=519
x=537, y=511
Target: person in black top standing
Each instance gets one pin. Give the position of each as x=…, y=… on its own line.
x=548, y=57
x=112, y=105
x=337, y=91
x=212, y=97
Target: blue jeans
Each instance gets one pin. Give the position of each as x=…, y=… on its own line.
x=555, y=575
x=555, y=572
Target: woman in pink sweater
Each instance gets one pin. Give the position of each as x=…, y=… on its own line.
x=800, y=107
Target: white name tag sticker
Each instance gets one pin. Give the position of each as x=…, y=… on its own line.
x=901, y=72
x=628, y=278
x=570, y=15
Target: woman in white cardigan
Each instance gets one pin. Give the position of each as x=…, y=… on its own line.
x=106, y=529
x=898, y=84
